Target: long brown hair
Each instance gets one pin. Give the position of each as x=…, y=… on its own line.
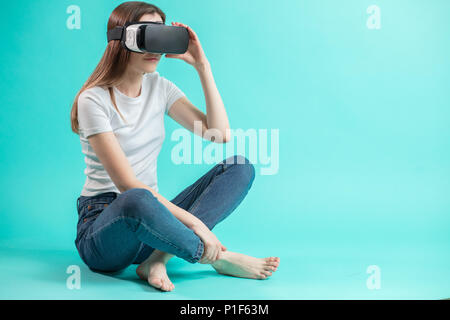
x=115, y=58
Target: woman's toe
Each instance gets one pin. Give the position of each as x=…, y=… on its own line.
x=262, y=276
x=269, y=268
x=156, y=282
x=266, y=274
x=169, y=285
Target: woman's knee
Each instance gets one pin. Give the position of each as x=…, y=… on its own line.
x=243, y=165
x=138, y=201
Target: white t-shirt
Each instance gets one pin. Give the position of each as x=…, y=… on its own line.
x=141, y=139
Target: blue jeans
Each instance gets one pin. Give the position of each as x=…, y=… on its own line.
x=116, y=230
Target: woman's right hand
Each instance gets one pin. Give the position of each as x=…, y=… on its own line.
x=212, y=245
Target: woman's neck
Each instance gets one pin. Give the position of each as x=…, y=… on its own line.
x=131, y=83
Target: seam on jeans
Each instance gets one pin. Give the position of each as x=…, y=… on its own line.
x=197, y=186
x=197, y=201
x=92, y=247
x=91, y=235
x=156, y=235
x=99, y=197
x=138, y=252
x=187, y=195
x=97, y=201
x=200, y=249
x=88, y=219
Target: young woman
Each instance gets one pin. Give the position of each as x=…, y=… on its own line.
x=119, y=116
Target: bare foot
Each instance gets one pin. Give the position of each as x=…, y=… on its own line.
x=154, y=271
x=243, y=266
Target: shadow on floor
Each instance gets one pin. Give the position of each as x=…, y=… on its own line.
x=51, y=265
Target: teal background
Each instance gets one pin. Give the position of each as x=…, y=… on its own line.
x=363, y=117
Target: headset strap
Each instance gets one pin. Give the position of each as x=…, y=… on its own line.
x=115, y=33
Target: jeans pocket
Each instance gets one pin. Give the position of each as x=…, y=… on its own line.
x=88, y=214
x=92, y=210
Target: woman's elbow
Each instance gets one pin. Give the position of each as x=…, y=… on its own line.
x=222, y=138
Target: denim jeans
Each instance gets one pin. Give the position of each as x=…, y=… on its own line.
x=116, y=230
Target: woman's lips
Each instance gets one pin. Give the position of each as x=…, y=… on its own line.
x=151, y=59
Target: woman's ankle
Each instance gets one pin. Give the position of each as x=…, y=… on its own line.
x=223, y=257
x=161, y=256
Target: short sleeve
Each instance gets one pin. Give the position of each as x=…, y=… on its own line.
x=92, y=116
x=173, y=93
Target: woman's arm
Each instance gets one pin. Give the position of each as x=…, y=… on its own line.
x=111, y=155
x=183, y=111
x=216, y=116
x=212, y=245
x=187, y=218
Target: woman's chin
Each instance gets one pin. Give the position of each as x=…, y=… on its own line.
x=149, y=69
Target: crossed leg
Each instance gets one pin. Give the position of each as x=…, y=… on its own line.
x=211, y=198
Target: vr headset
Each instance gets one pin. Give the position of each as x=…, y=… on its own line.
x=150, y=36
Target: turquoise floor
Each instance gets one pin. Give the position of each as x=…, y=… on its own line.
x=29, y=270
x=343, y=107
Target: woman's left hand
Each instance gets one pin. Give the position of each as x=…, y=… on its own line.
x=194, y=55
